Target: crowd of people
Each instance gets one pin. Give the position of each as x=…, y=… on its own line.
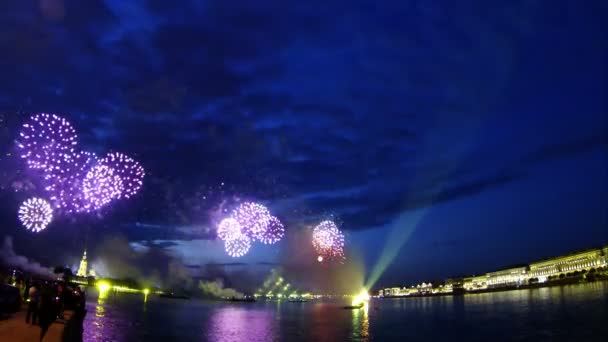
x=46, y=301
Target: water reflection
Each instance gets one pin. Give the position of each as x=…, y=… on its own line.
x=100, y=326
x=361, y=323
x=235, y=323
x=538, y=314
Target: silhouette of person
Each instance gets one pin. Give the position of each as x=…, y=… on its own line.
x=48, y=312
x=32, y=307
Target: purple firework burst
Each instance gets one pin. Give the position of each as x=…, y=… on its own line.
x=238, y=246
x=64, y=184
x=100, y=186
x=45, y=139
x=35, y=214
x=229, y=229
x=274, y=231
x=253, y=218
x=131, y=172
x=328, y=240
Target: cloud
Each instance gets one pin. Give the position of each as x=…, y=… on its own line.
x=562, y=150
x=319, y=110
x=11, y=258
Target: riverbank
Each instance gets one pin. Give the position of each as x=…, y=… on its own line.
x=13, y=328
x=560, y=282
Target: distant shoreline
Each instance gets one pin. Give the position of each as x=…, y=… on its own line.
x=561, y=282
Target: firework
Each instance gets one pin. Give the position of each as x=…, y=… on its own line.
x=238, y=246
x=65, y=184
x=131, y=172
x=45, y=139
x=229, y=229
x=274, y=231
x=328, y=241
x=253, y=218
x=35, y=214
x=100, y=186
x=75, y=180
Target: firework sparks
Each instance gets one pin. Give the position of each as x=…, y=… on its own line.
x=129, y=170
x=35, y=214
x=64, y=184
x=229, y=229
x=45, y=140
x=274, y=231
x=238, y=246
x=253, y=218
x=328, y=241
x=100, y=186
x=76, y=181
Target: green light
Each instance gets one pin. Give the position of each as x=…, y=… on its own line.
x=361, y=298
x=103, y=286
x=146, y=291
x=402, y=228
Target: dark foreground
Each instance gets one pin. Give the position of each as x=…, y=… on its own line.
x=13, y=328
x=572, y=312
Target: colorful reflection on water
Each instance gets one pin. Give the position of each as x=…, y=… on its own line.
x=99, y=323
x=361, y=323
x=539, y=314
x=239, y=323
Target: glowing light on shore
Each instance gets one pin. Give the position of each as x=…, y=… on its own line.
x=238, y=246
x=361, y=298
x=102, y=286
x=35, y=214
x=328, y=241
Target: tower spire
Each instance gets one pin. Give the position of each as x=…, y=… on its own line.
x=83, y=268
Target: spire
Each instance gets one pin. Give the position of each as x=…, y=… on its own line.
x=82, y=269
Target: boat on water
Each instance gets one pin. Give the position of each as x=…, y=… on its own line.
x=353, y=307
x=298, y=300
x=173, y=295
x=243, y=299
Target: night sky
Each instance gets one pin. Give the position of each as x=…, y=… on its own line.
x=474, y=132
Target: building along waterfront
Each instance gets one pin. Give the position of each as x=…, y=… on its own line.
x=587, y=264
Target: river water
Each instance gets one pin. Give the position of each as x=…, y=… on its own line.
x=573, y=312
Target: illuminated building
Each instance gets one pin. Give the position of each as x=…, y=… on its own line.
x=579, y=261
x=476, y=283
x=425, y=288
x=536, y=272
x=82, y=269
x=515, y=276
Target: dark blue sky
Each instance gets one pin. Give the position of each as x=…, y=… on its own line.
x=478, y=127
